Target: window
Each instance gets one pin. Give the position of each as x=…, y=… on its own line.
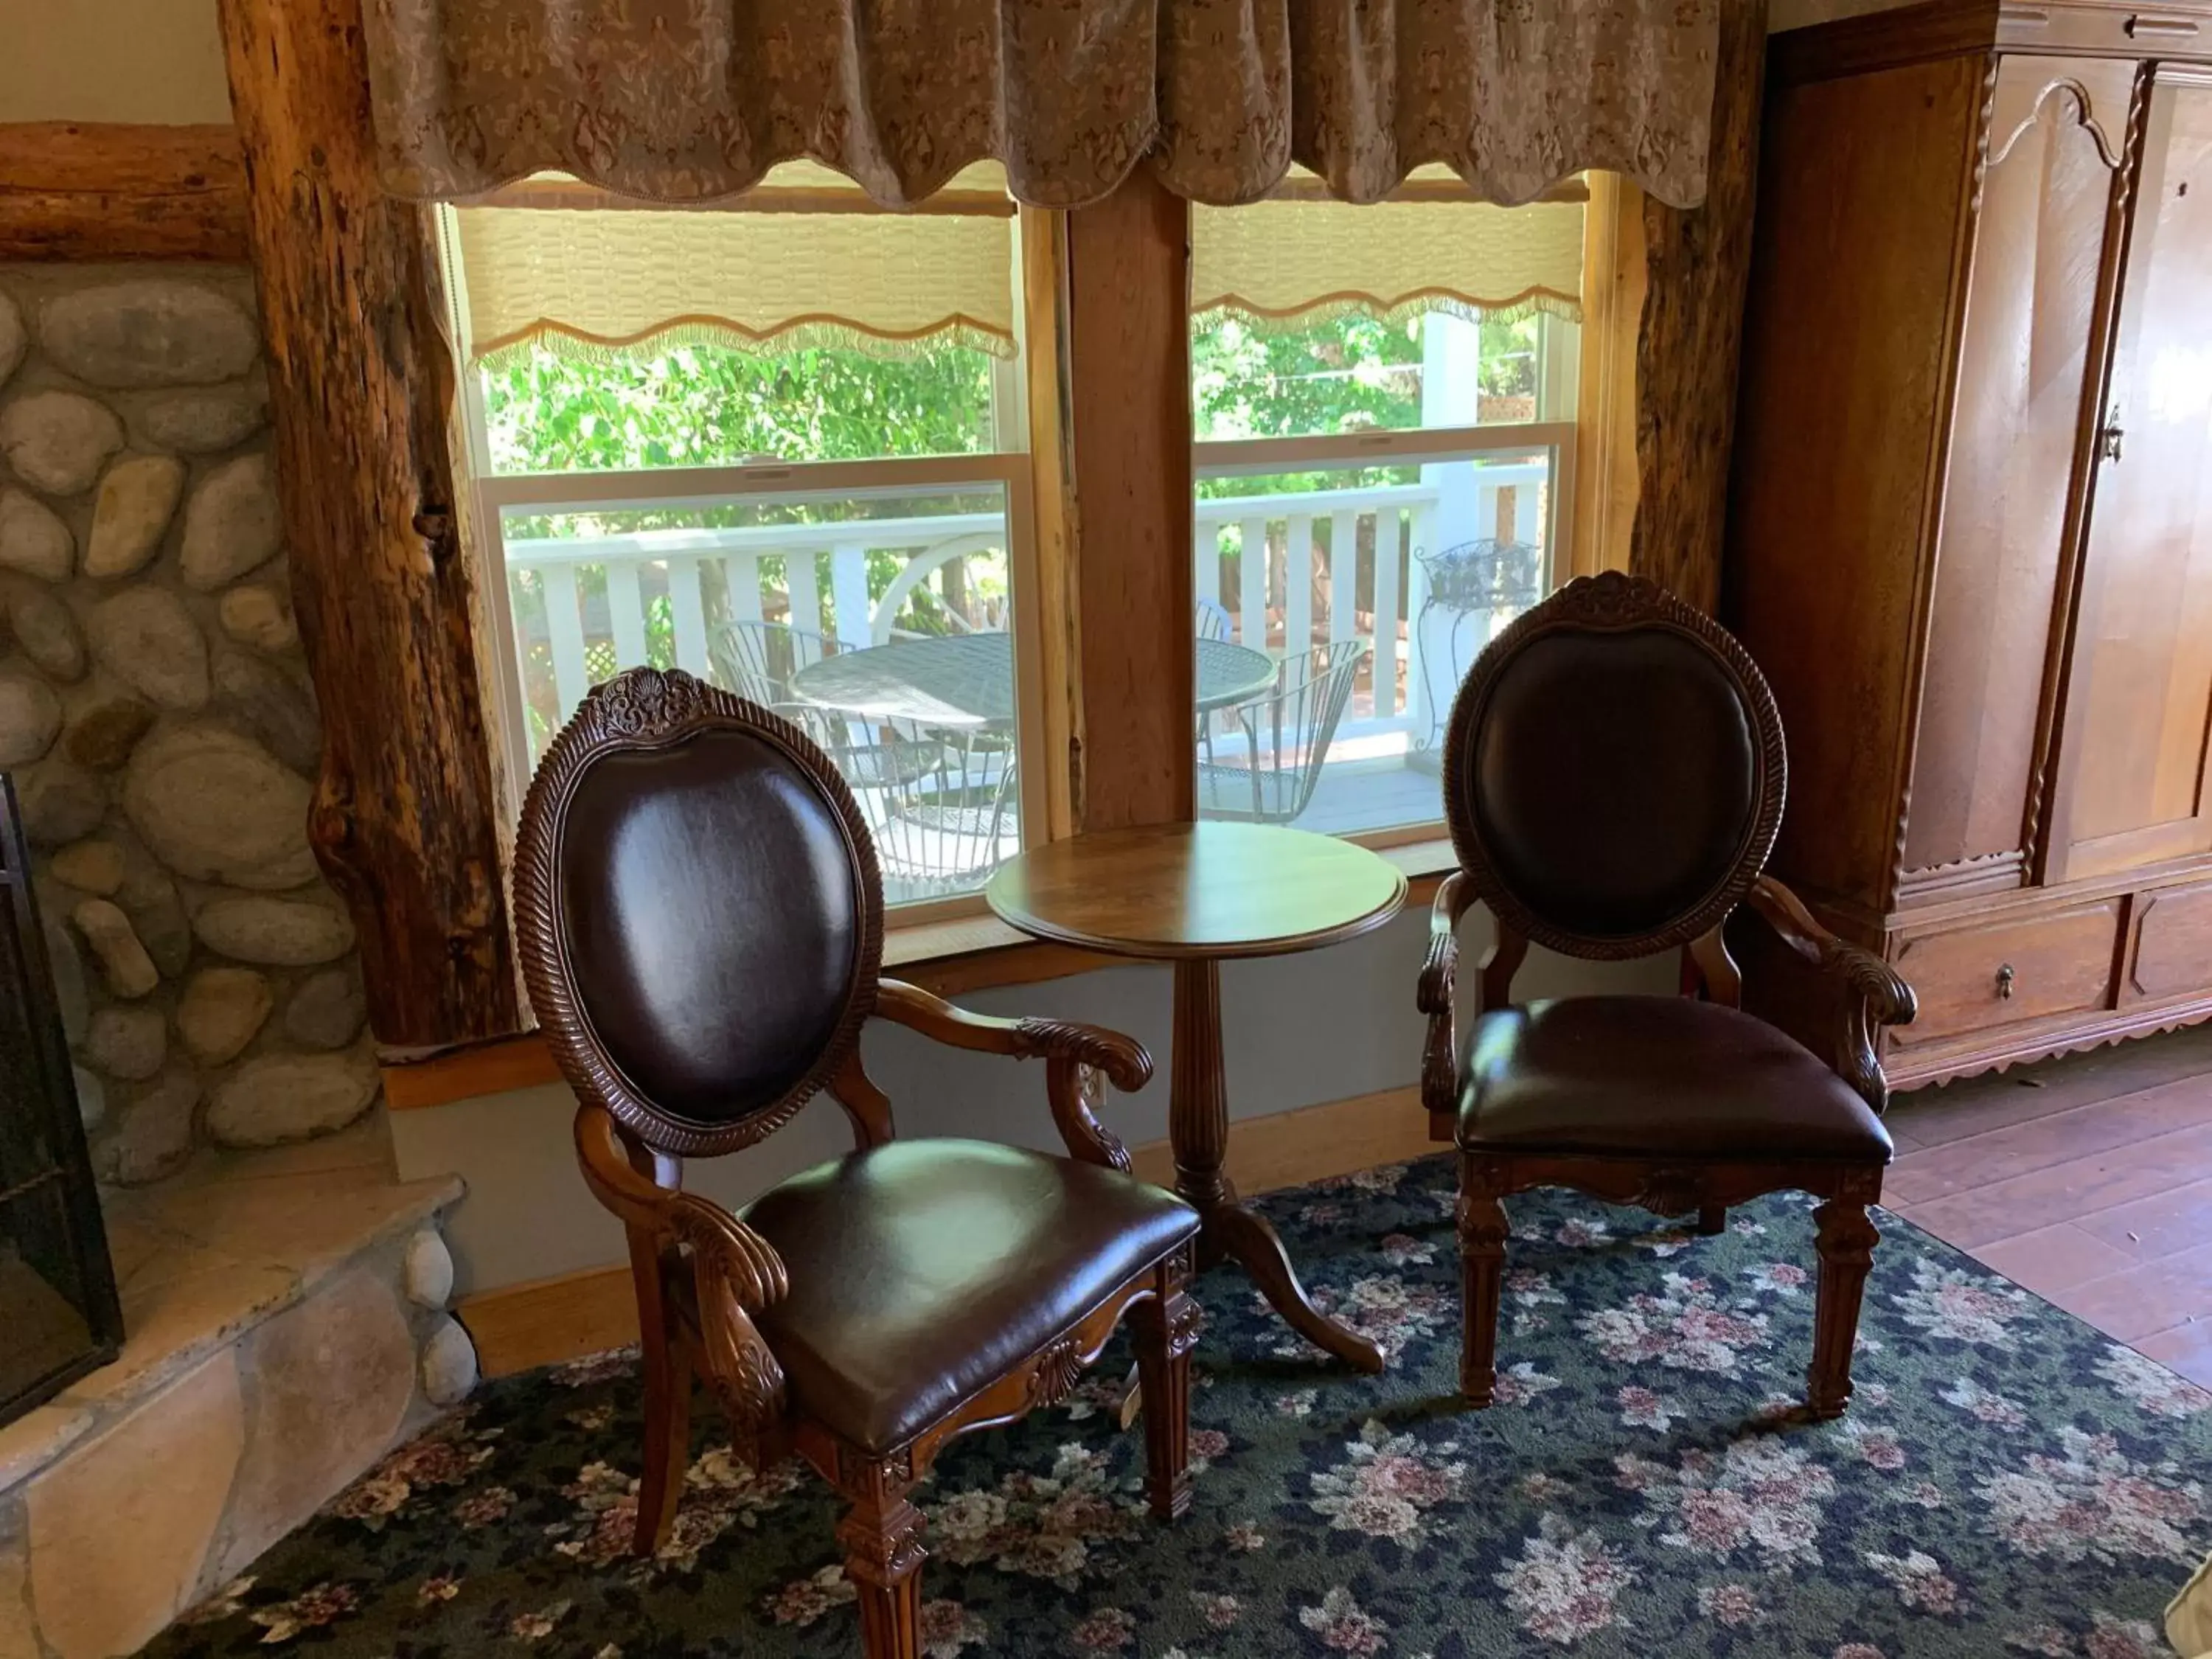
x=1384, y=402
x=783, y=444
x=778, y=445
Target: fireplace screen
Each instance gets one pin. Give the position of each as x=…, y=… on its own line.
x=58, y=1303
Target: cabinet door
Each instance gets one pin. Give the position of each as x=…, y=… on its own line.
x=2052, y=168
x=2132, y=782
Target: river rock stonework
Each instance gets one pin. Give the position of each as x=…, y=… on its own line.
x=156, y=718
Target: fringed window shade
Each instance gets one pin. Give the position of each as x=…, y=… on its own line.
x=690, y=100
x=803, y=261
x=1296, y=262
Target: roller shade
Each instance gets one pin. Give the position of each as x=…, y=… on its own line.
x=1298, y=261
x=803, y=260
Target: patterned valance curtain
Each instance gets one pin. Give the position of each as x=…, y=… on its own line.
x=692, y=100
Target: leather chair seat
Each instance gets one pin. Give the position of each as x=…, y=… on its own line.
x=923, y=1270
x=1654, y=1077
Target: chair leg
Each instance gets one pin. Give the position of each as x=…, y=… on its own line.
x=1165, y=1329
x=666, y=1355
x=1482, y=1232
x=1712, y=1221
x=1846, y=1240
x=882, y=1536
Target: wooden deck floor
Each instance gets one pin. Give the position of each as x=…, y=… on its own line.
x=2088, y=1179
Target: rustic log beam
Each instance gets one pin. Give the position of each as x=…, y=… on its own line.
x=1128, y=324
x=90, y=190
x=1698, y=264
x=360, y=382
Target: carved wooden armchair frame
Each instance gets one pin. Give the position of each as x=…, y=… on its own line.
x=1872, y=994
x=703, y=1277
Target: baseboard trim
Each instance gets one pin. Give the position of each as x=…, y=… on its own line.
x=546, y=1321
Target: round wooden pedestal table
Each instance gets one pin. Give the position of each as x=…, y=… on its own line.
x=1194, y=894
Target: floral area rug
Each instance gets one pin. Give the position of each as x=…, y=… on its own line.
x=2007, y=1483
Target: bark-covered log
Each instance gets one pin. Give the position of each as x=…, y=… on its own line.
x=91, y=190
x=1698, y=262
x=360, y=386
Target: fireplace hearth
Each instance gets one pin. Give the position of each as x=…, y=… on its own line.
x=58, y=1298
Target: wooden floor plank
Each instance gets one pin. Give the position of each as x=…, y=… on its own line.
x=2164, y=1225
x=2145, y=1299
x=2184, y=1348
x=1974, y=1105
x=2042, y=1143
x=2054, y=1259
x=2065, y=1191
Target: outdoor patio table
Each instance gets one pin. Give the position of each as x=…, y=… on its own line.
x=968, y=679
x=1191, y=894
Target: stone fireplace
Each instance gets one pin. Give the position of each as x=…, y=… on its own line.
x=283, y=1294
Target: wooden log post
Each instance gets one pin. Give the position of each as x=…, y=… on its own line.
x=1130, y=429
x=1698, y=262
x=404, y=820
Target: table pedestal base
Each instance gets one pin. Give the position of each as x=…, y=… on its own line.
x=1197, y=1128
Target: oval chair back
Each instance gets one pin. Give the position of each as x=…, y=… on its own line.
x=1614, y=771
x=698, y=911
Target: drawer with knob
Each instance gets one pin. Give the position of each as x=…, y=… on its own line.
x=1981, y=974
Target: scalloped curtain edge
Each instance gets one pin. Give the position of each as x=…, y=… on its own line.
x=1331, y=306
x=817, y=333
x=841, y=334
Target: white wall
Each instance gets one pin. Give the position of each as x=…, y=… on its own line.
x=158, y=61
x=1298, y=1032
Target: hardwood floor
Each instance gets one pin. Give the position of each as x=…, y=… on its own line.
x=2088, y=1179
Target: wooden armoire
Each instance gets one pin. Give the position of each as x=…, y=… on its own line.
x=1969, y=534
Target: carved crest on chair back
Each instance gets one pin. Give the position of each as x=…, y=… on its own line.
x=1613, y=803
x=687, y=767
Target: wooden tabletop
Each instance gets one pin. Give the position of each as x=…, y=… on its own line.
x=1194, y=890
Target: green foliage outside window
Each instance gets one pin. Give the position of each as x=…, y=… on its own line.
x=714, y=406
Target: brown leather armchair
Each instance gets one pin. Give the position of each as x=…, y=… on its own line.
x=701, y=921
x=1613, y=775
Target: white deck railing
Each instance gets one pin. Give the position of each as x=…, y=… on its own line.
x=644, y=566
x=1315, y=585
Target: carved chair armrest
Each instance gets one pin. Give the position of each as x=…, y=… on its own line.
x=1875, y=993
x=736, y=1273
x=1439, y=975
x=1072, y=1052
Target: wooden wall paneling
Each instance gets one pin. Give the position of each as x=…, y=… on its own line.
x=359, y=390
x=1606, y=482
x=1128, y=322
x=1697, y=263
x=1863, y=196
x=2133, y=785
x=86, y=190
x=2052, y=194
